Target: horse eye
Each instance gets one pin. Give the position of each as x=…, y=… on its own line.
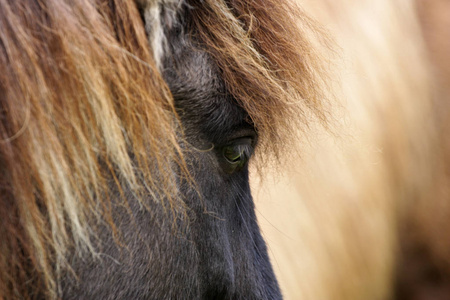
x=236, y=154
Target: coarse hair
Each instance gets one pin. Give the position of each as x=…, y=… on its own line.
x=83, y=107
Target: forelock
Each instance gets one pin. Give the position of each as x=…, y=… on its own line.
x=159, y=15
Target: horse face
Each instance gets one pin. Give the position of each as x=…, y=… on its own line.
x=213, y=249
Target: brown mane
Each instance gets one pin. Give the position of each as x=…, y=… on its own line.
x=79, y=93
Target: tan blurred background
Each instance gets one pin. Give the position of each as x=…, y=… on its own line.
x=363, y=211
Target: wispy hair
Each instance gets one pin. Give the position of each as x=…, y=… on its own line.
x=83, y=108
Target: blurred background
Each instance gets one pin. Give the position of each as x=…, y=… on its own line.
x=363, y=210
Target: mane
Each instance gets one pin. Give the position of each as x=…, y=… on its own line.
x=84, y=108
x=82, y=104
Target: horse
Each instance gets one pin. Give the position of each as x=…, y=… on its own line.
x=363, y=213
x=125, y=138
